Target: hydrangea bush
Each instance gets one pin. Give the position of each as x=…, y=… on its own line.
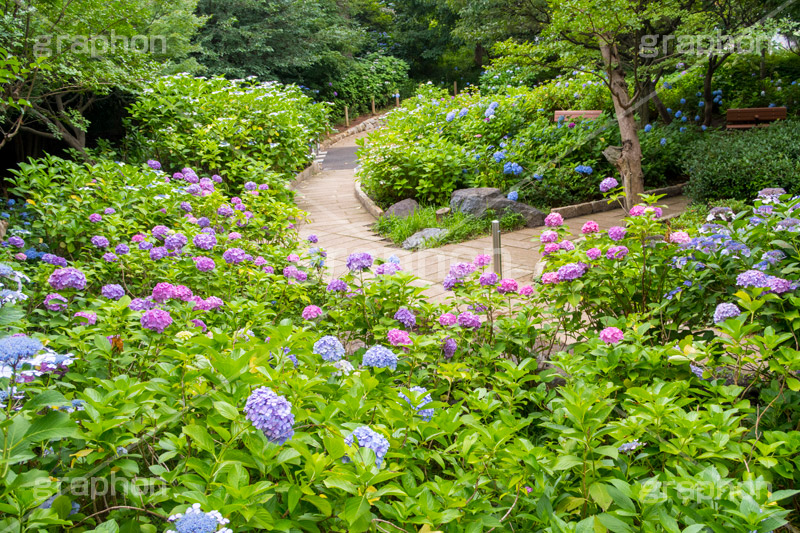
x=229, y=383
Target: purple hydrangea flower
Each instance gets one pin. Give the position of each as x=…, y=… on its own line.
x=112, y=291
x=163, y=291
x=203, y=222
x=204, y=264
x=122, y=249
x=724, y=311
x=67, y=278
x=406, y=317
x=95, y=218
x=359, y=261
x=482, y=260
x=488, y=279
x=175, y=241
x=751, y=278
x=90, y=317
x=109, y=211
x=366, y=438
x=158, y=253
x=608, y=184
x=234, y=255
x=380, y=357
x=156, y=320
x=313, y=239
x=54, y=260
x=617, y=233
x=337, y=285
x=55, y=297
x=155, y=165
x=271, y=413
x=159, y=232
x=225, y=211
x=140, y=304
x=186, y=206
x=469, y=320
x=449, y=348
x=99, y=241
x=571, y=271
x=108, y=257
x=204, y=241
x=616, y=252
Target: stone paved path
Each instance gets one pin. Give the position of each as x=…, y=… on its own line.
x=344, y=227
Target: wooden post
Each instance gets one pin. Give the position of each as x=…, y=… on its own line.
x=346, y=117
x=455, y=88
x=397, y=100
x=373, y=105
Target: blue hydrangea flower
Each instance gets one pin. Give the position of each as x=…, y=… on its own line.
x=647, y=128
x=663, y=141
x=329, y=348
x=450, y=116
x=194, y=520
x=270, y=413
x=368, y=438
x=512, y=168
x=14, y=350
x=380, y=357
x=513, y=196
x=426, y=414
x=629, y=447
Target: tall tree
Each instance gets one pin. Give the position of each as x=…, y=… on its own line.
x=90, y=47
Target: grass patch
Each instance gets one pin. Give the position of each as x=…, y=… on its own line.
x=462, y=227
x=695, y=214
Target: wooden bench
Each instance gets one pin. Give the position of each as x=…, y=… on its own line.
x=754, y=117
x=580, y=113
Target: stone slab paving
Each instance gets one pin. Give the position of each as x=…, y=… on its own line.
x=344, y=227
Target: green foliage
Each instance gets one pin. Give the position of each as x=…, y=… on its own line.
x=460, y=226
x=375, y=76
x=739, y=164
x=218, y=125
x=696, y=214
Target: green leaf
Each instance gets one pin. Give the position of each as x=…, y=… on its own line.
x=200, y=437
x=226, y=410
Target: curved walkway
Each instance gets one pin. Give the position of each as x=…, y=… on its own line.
x=344, y=227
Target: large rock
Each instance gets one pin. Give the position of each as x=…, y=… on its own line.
x=402, y=209
x=418, y=239
x=477, y=201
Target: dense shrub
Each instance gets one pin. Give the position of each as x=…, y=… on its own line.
x=738, y=164
x=216, y=125
x=436, y=143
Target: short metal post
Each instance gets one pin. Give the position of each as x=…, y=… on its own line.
x=497, y=255
x=346, y=117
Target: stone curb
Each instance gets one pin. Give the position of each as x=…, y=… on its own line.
x=365, y=201
x=311, y=170
x=368, y=125
x=599, y=206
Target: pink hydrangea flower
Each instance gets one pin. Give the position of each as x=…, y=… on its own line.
x=567, y=245
x=526, y=290
x=554, y=220
x=398, y=337
x=549, y=278
x=636, y=211
x=548, y=236
x=590, y=227
x=507, y=286
x=293, y=258
x=551, y=247
x=447, y=319
x=91, y=318
x=679, y=237
x=156, y=320
x=311, y=312
x=482, y=260
x=611, y=335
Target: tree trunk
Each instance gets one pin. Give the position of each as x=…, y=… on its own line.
x=629, y=162
x=662, y=110
x=644, y=107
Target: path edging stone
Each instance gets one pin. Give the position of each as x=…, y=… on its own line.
x=365, y=201
x=308, y=172
x=600, y=206
x=368, y=125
